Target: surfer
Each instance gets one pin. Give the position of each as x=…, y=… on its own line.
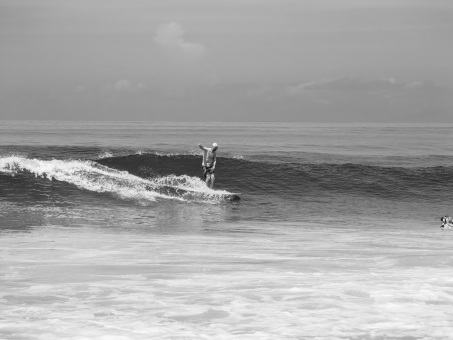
x=208, y=163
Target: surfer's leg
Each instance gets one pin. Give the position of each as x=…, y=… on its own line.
x=208, y=179
x=212, y=181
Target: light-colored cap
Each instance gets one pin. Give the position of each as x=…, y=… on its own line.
x=215, y=145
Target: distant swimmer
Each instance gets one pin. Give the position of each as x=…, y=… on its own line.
x=447, y=222
x=208, y=163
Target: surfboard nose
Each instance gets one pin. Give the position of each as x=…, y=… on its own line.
x=233, y=198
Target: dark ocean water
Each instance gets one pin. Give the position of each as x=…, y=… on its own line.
x=270, y=191
x=336, y=234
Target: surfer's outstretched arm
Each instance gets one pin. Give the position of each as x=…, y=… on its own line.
x=205, y=151
x=202, y=147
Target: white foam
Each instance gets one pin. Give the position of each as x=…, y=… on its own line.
x=176, y=154
x=105, y=154
x=85, y=175
x=188, y=183
x=297, y=283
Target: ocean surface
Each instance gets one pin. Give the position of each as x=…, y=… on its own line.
x=107, y=231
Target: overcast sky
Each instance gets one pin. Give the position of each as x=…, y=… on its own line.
x=227, y=60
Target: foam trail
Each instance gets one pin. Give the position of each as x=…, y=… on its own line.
x=92, y=176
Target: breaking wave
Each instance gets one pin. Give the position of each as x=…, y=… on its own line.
x=94, y=177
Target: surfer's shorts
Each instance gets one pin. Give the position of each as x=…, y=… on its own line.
x=206, y=170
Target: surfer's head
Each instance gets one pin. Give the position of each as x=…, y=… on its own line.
x=215, y=146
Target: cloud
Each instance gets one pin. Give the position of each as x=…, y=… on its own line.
x=171, y=37
x=124, y=86
x=362, y=85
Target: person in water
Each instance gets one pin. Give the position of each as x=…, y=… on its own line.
x=447, y=222
x=208, y=163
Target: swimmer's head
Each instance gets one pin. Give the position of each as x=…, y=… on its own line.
x=214, y=146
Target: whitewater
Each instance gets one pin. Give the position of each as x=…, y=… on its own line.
x=91, y=176
x=107, y=231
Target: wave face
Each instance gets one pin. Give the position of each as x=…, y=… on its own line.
x=294, y=180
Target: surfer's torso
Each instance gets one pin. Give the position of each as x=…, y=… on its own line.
x=209, y=158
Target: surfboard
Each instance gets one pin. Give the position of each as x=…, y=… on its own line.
x=229, y=196
x=175, y=191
